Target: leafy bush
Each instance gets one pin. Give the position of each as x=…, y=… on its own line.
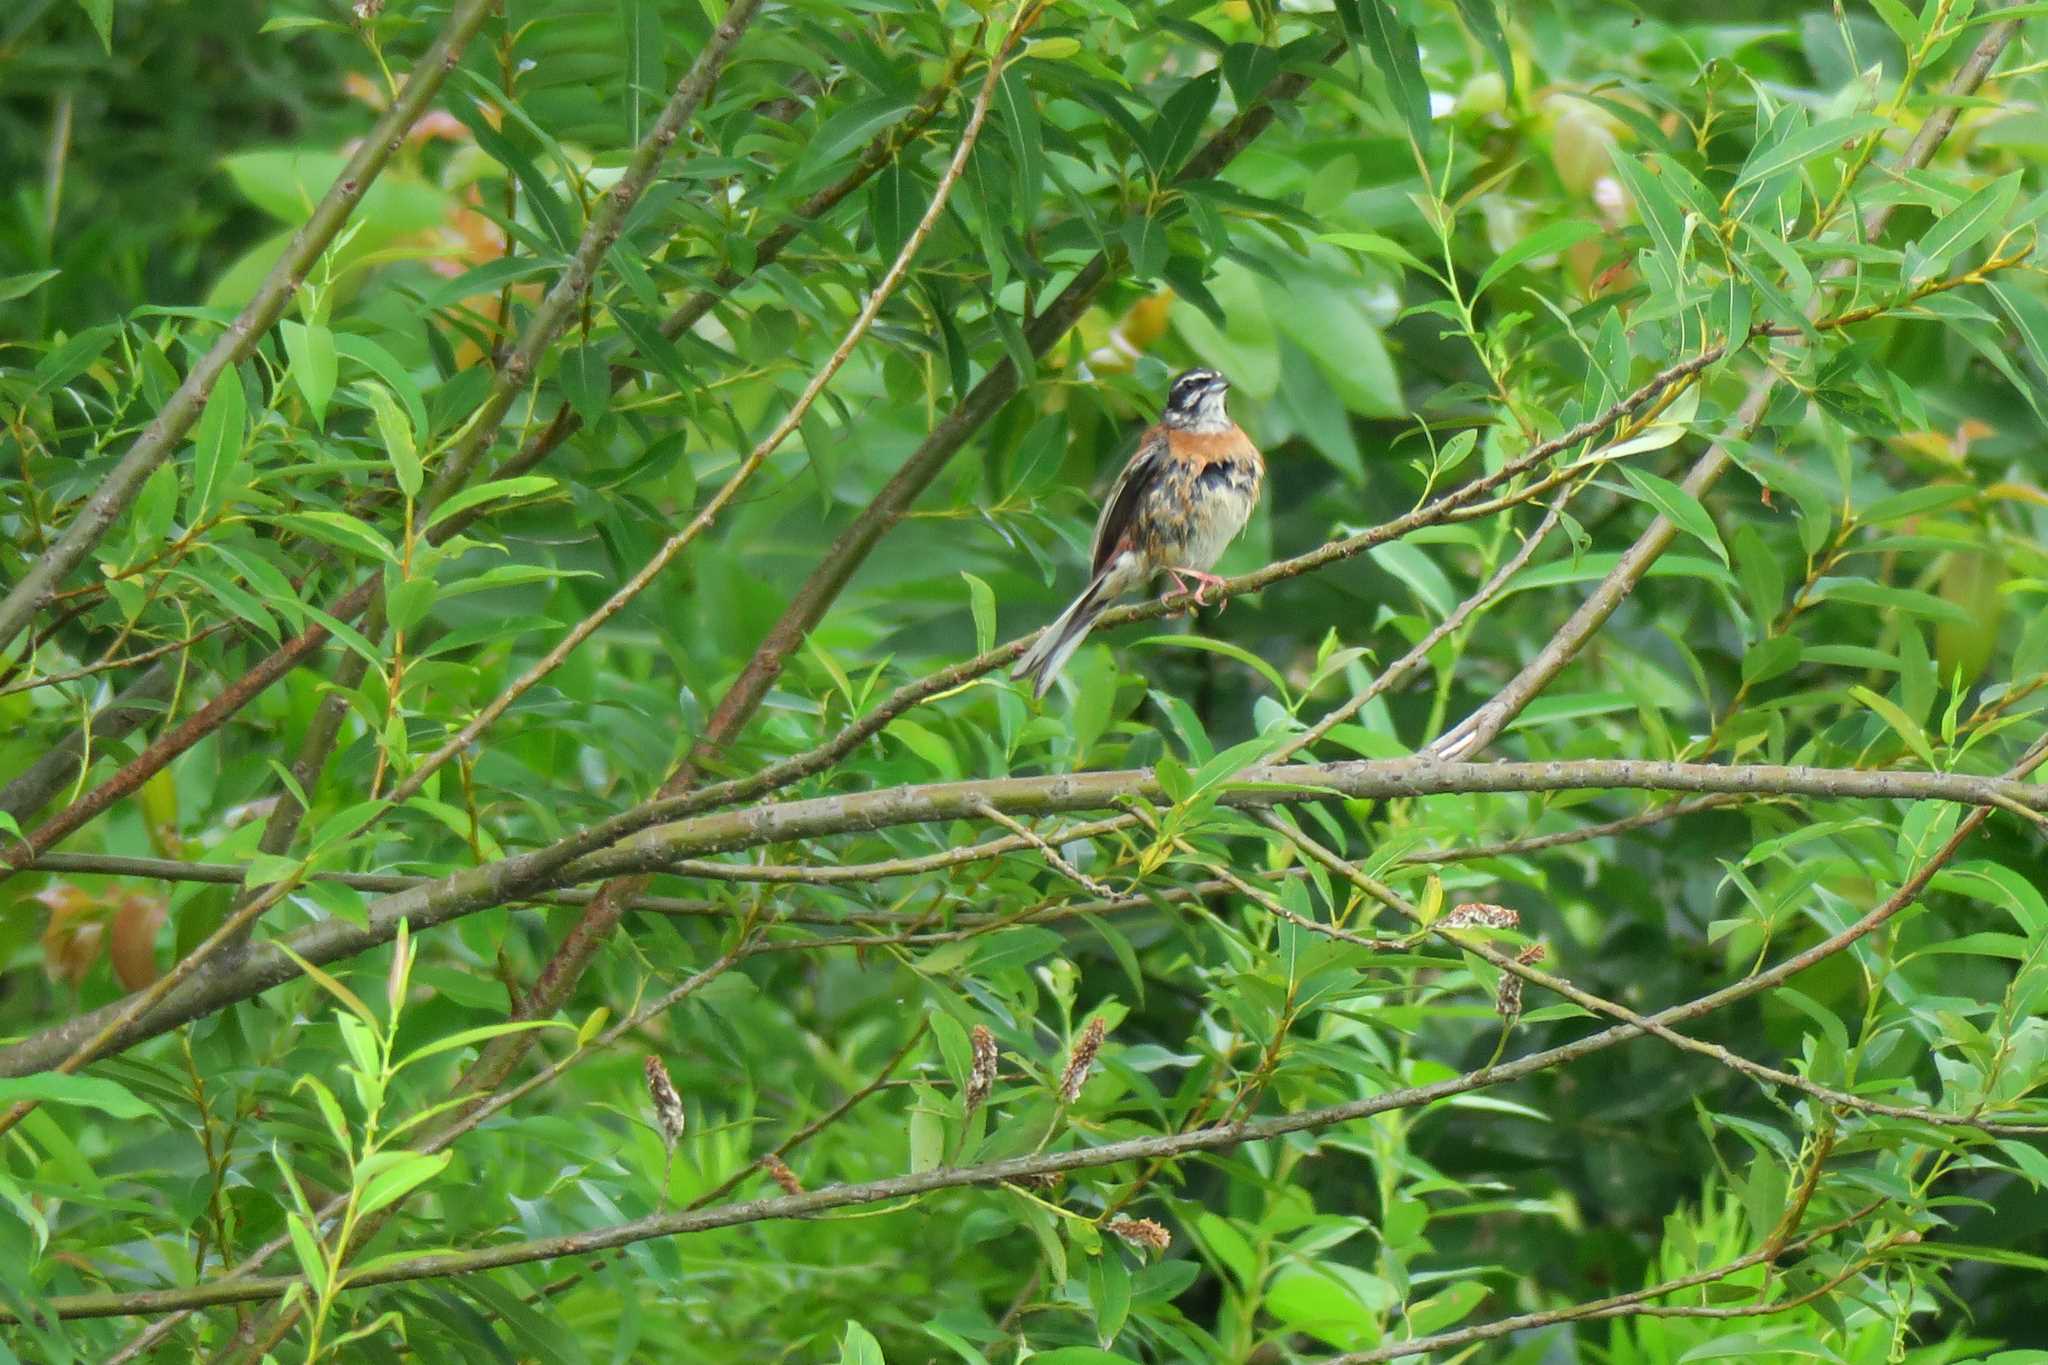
x=519, y=841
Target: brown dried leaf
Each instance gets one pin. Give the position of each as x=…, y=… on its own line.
x=132, y=945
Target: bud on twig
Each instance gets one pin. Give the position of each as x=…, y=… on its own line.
x=1079, y=1062
x=1140, y=1232
x=778, y=1171
x=1507, y=997
x=981, y=1075
x=668, y=1106
x=1479, y=914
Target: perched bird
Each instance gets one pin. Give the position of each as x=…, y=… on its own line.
x=1185, y=495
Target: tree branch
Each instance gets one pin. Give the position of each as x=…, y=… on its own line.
x=1485, y=724
x=579, y=946
x=160, y=438
x=427, y=905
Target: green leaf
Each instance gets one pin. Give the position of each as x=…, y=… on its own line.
x=1439, y=1311
x=586, y=379
x=927, y=1138
x=1772, y=657
x=859, y=1347
x=519, y=486
x=333, y=987
x=217, y=445
x=1963, y=226
x=1864, y=593
x=92, y=1092
x=1659, y=211
x=462, y=1038
x=407, y=602
x=306, y=1247
x=953, y=1341
x=330, y=1111
x=1179, y=125
x=385, y=366
x=646, y=79
x=1908, y=729
x=157, y=504
x=1901, y=21
x=1223, y=647
x=1797, y=147
x=928, y=746
x=73, y=357
x=1384, y=248
x=1109, y=1290
x=101, y=12
x=1398, y=59
x=19, y=286
x=1020, y=122
x=1545, y=242
x=1679, y=507
x=401, y=1178
x=341, y=530
x=1482, y=21
x=981, y=600
x=395, y=430
x=310, y=348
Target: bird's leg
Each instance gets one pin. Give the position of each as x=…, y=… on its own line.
x=1203, y=582
x=1179, y=589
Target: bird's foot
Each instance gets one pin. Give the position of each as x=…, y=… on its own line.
x=1203, y=583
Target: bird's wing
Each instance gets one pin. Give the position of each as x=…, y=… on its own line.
x=1120, y=508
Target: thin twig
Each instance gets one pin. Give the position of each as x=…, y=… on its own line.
x=160, y=438
x=756, y=457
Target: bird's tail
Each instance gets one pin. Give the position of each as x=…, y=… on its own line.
x=1044, y=660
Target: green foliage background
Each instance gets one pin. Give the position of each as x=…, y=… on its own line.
x=1470, y=228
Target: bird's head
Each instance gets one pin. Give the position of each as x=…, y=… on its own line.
x=1195, y=402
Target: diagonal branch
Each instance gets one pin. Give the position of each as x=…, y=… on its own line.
x=1586, y=1000
x=547, y=323
x=1212, y=1138
x=161, y=437
x=768, y=445
x=1485, y=724
x=424, y=906
x=579, y=946
x=32, y=789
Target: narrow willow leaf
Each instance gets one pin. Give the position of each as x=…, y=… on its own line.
x=306, y=1246
x=1681, y=508
x=1963, y=226
x=519, y=486
x=1385, y=248
x=401, y=1179
x=646, y=81
x=19, y=286
x=395, y=430
x=310, y=348
x=981, y=600
x=217, y=445
x=1226, y=649
x=1482, y=21
x=1398, y=59
x=1179, y=125
x=1795, y=148
x=333, y=987
x=91, y=1092
x=1546, y=242
x=1908, y=729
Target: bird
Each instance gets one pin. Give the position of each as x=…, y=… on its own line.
x=1188, y=490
